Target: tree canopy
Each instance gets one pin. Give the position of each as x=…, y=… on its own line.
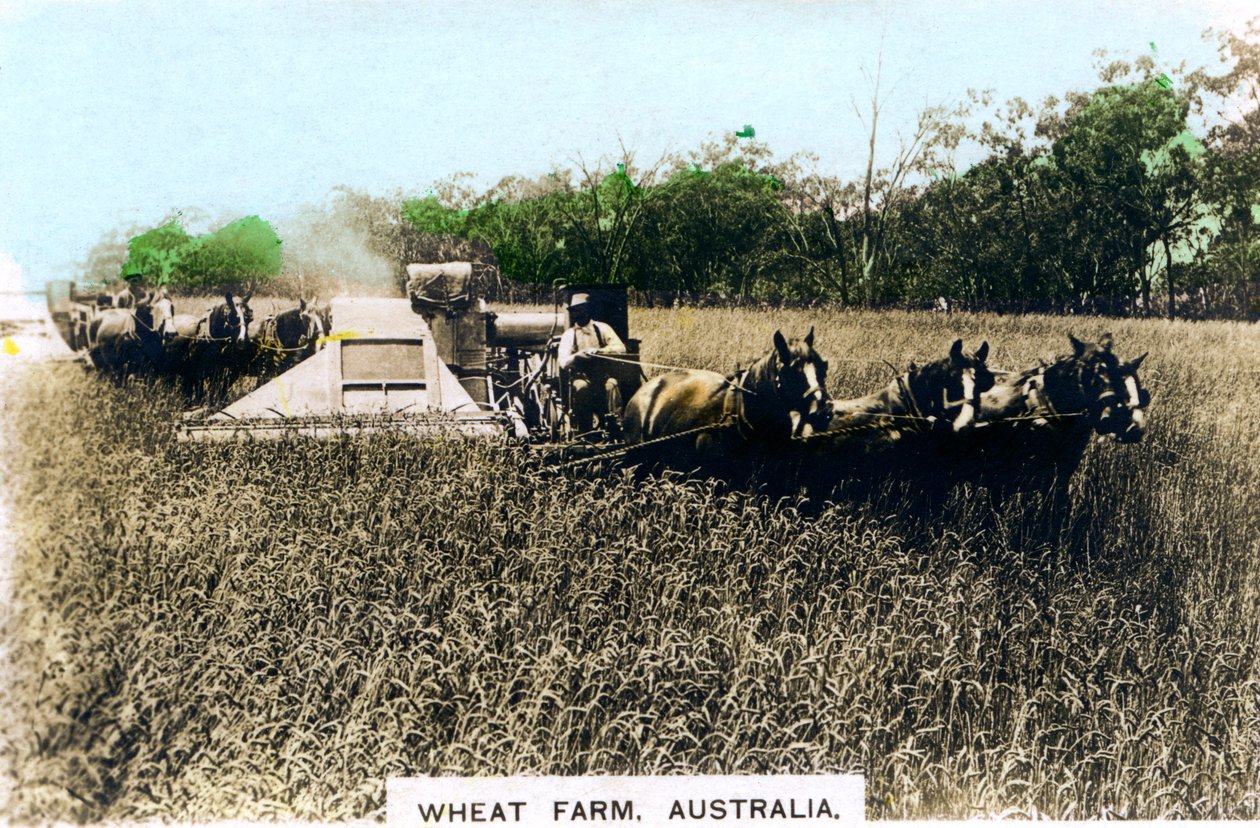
x=1140, y=195
x=246, y=251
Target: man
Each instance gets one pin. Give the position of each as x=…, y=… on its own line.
x=580, y=344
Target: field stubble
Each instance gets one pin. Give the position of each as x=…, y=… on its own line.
x=221, y=631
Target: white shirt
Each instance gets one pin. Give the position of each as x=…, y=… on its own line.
x=586, y=338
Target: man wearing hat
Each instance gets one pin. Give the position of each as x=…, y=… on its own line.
x=580, y=344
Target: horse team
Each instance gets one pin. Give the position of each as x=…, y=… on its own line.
x=952, y=417
x=137, y=332
x=954, y=413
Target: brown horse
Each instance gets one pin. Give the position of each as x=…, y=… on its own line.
x=781, y=395
x=126, y=342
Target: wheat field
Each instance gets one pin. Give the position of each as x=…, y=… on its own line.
x=202, y=632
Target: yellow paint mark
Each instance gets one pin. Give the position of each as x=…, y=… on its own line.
x=284, y=401
x=334, y=337
x=10, y=347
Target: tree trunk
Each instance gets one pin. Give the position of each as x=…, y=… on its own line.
x=1172, y=302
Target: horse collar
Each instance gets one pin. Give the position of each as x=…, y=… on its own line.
x=1037, y=395
x=903, y=382
x=733, y=407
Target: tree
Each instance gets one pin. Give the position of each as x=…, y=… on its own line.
x=715, y=230
x=245, y=252
x=1231, y=264
x=885, y=190
x=105, y=260
x=1127, y=168
x=156, y=253
x=601, y=221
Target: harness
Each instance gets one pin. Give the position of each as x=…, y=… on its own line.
x=733, y=406
x=1037, y=396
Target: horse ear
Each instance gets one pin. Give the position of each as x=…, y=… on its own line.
x=982, y=352
x=1105, y=342
x=955, y=351
x=302, y=304
x=809, y=337
x=1078, y=347
x=780, y=345
x=1131, y=367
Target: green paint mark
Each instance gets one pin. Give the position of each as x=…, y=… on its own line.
x=1164, y=81
x=621, y=168
x=746, y=132
x=10, y=347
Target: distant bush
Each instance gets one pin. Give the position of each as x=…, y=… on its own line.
x=245, y=252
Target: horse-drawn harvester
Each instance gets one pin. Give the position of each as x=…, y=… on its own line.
x=438, y=361
x=441, y=362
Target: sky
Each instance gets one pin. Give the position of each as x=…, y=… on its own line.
x=114, y=114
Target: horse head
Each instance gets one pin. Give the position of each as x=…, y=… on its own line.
x=799, y=377
x=950, y=388
x=162, y=312
x=297, y=328
x=312, y=323
x=317, y=325
x=1095, y=382
x=231, y=319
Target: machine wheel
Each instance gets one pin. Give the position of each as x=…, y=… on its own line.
x=557, y=419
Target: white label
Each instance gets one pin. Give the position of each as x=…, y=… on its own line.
x=549, y=801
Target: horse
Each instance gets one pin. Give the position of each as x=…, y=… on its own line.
x=1029, y=438
x=129, y=341
x=1034, y=430
x=1089, y=390
x=209, y=353
x=780, y=396
x=1036, y=425
x=872, y=438
x=944, y=393
x=286, y=338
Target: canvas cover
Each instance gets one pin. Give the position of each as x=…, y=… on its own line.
x=441, y=288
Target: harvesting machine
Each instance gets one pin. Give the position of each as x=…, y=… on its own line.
x=438, y=361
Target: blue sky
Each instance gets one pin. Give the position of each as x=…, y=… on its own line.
x=116, y=113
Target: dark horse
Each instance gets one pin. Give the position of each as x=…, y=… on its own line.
x=1037, y=424
x=1029, y=438
x=130, y=341
x=780, y=396
x=208, y=355
x=941, y=394
x=868, y=437
x=287, y=338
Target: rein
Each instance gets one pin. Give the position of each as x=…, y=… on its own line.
x=730, y=379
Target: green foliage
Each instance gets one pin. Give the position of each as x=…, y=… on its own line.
x=156, y=253
x=429, y=216
x=247, y=251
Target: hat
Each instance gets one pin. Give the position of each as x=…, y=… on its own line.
x=579, y=299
